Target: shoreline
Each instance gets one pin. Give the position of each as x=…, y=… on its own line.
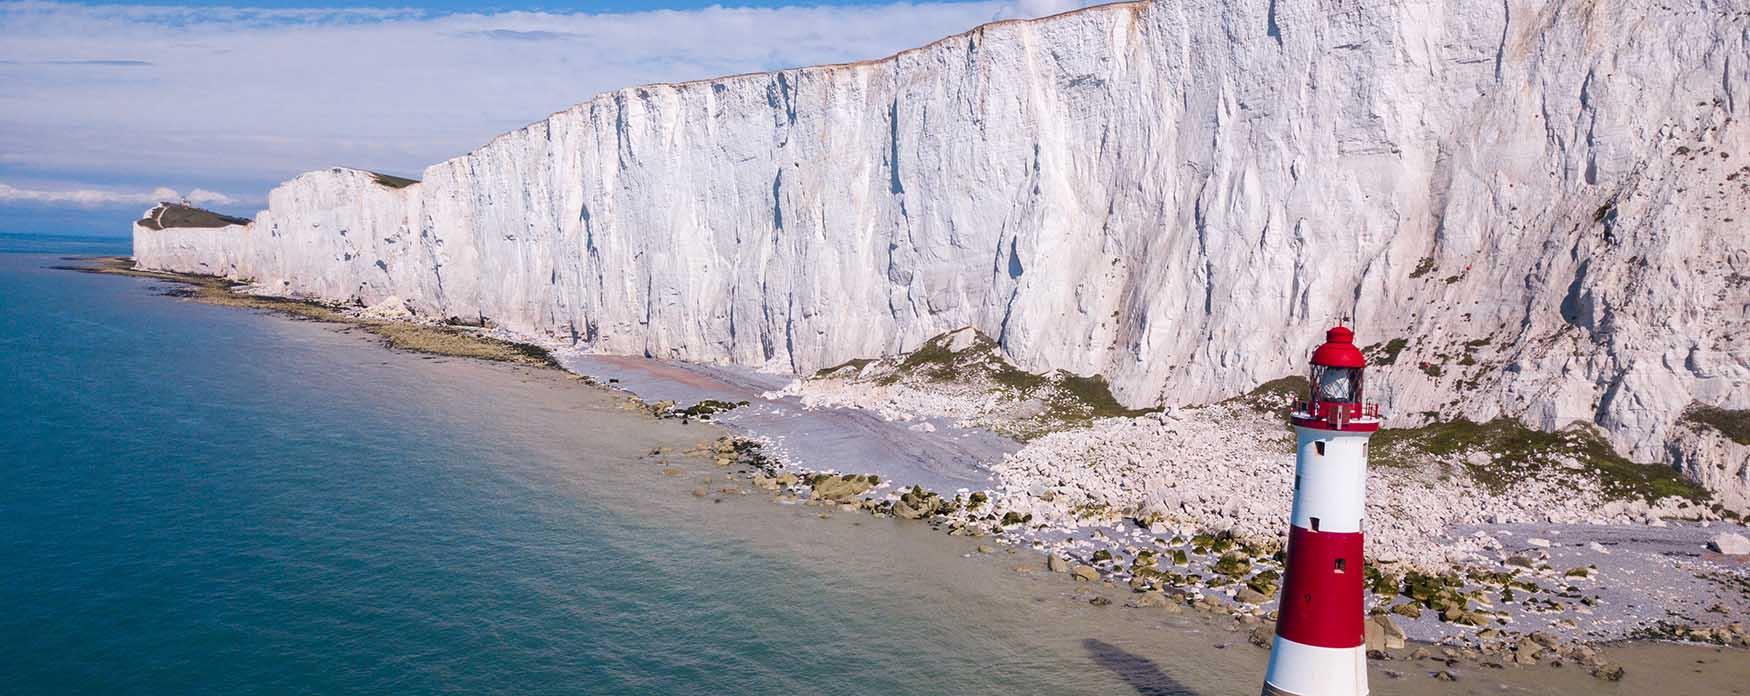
x=853, y=489
x=395, y=332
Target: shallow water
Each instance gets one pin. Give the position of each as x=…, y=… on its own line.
x=205, y=500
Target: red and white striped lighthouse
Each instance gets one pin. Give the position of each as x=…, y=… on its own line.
x=1319, y=649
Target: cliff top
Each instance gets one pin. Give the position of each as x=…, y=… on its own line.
x=1113, y=5
x=393, y=181
x=179, y=215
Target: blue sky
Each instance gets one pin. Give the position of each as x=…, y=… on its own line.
x=453, y=7
x=107, y=107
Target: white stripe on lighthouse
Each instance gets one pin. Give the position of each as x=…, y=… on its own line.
x=1308, y=670
x=1331, y=486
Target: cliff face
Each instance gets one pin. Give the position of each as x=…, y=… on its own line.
x=1549, y=202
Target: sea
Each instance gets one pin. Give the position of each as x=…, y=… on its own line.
x=207, y=500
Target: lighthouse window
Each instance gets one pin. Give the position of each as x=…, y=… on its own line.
x=1297, y=482
x=1342, y=565
x=1337, y=384
x=1320, y=446
x=1315, y=524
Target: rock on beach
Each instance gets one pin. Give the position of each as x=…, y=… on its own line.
x=1730, y=544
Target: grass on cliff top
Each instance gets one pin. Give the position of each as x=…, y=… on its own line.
x=392, y=181
x=1519, y=452
x=419, y=338
x=1734, y=424
x=176, y=215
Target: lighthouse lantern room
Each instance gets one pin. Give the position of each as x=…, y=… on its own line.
x=1319, y=648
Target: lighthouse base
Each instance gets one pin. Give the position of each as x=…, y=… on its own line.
x=1297, y=669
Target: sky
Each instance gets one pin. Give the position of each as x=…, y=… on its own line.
x=107, y=108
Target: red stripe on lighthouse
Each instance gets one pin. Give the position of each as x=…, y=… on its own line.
x=1321, y=597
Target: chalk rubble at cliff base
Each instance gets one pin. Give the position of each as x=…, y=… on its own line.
x=1194, y=500
x=1523, y=606
x=1229, y=468
x=1222, y=467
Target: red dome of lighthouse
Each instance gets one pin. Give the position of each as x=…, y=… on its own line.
x=1339, y=350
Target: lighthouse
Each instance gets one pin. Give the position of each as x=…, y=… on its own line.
x=1319, y=648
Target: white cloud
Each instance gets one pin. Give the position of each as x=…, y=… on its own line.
x=88, y=197
x=239, y=99
x=202, y=196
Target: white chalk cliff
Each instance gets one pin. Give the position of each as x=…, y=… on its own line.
x=1177, y=195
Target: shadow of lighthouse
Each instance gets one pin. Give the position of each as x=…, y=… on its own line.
x=1139, y=672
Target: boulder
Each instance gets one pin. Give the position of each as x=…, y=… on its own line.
x=918, y=503
x=392, y=308
x=1262, y=635
x=1374, y=636
x=1082, y=572
x=840, y=488
x=1527, y=652
x=1730, y=544
x=1392, y=637
x=1056, y=564
x=1250, y=596
x=1233, y=565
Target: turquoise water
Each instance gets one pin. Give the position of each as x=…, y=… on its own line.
x=200, y=499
